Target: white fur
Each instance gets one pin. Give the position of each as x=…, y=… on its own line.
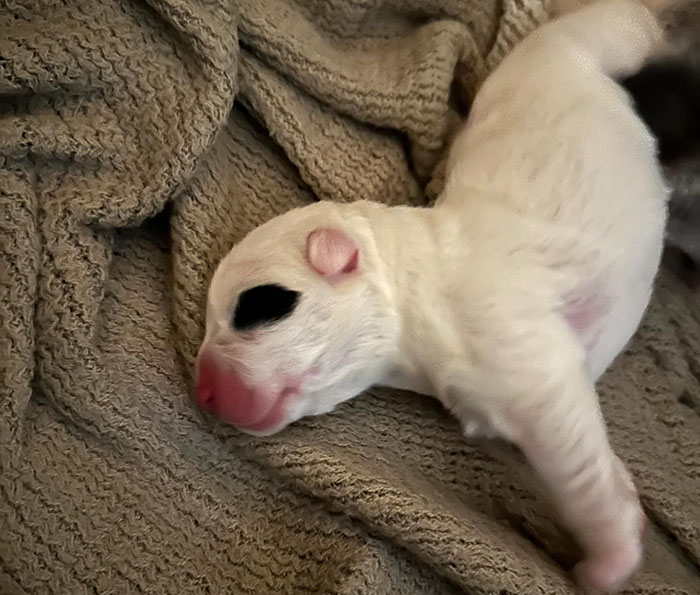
x=553, y=197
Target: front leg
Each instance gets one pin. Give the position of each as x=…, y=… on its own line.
x=562, y=434
x=533, y=388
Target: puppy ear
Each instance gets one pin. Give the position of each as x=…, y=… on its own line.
x=331, y=253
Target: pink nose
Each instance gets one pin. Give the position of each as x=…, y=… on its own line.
x=221, y=391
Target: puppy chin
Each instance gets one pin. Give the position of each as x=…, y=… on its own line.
x=295, y=409
x=308, y=405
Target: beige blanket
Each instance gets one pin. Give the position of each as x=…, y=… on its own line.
x=139, y=140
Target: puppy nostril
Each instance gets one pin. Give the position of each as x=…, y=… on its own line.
x=209, y=402
x=206, y=400
x=207, y=382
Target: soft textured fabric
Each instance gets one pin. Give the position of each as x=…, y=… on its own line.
x=139, y=140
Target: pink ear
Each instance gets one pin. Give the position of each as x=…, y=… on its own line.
x=330, y=252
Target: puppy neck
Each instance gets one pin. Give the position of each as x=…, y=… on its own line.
x=415, y=249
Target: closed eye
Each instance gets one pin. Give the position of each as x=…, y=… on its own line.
x=263, y=304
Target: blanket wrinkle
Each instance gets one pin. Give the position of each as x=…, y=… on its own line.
x=140, y=140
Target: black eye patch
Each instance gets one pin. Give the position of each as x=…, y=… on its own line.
x=263, y=304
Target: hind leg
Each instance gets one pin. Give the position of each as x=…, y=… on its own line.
x=618, y=35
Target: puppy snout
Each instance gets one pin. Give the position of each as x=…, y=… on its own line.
x=221, y=390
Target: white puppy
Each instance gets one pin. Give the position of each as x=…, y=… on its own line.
x=506, y=301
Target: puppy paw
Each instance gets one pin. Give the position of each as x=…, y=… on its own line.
x=609, y=571
x=621, y=547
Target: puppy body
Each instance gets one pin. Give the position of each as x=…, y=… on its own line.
x=556, y=183
x=506, y=300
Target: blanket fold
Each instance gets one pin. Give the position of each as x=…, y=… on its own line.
x=140, y=140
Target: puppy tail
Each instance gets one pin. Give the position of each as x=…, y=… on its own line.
x=666, y=95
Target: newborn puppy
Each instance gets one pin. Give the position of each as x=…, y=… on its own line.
x=506, y=301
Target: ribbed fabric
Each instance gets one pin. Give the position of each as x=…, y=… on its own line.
x=138, y=142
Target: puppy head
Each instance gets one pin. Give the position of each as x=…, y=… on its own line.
x=299, y=318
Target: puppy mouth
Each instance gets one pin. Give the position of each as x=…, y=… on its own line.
x=274, y=419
